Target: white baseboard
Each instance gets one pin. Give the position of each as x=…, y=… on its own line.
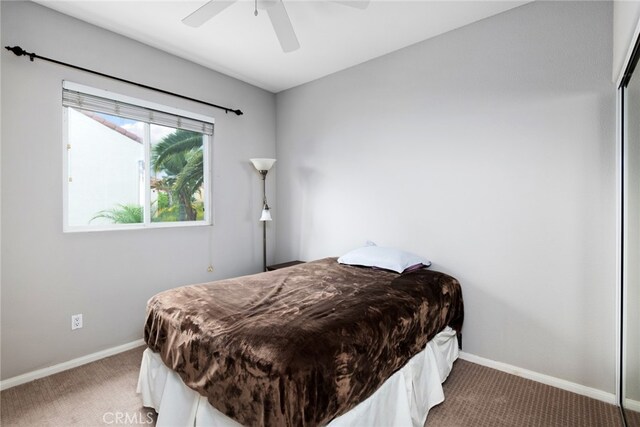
x=634, y=405
x=542, y=378
x=45, y=372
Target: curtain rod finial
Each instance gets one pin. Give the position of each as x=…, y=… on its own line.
x=16, y=49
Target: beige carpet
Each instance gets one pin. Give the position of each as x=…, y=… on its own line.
x=480, y=396
x=90, y=395
x=633, y=418
x=103, y=392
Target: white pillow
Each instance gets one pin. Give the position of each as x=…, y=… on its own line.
x=381, y=257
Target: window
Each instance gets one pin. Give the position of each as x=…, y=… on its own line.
x=132, y=164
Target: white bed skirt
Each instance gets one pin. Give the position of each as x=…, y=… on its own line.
x=403, y=400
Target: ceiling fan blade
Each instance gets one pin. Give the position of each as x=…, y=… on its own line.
x=206, y=12
x=282, y=26
x=358, y=4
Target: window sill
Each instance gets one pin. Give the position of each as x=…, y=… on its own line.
x=127, y=227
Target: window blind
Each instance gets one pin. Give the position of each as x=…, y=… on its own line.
x=98, y=104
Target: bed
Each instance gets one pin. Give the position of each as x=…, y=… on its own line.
x=319, y=343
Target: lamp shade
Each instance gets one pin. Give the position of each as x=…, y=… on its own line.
x=266, y=215
x=263, y=164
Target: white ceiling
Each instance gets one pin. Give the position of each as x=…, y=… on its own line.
x=237, y=43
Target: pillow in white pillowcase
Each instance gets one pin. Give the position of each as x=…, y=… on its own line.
x=382, y=257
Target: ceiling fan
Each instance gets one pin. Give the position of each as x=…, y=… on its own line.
x=277, y=15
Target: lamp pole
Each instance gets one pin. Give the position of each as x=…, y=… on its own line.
x=264, y=223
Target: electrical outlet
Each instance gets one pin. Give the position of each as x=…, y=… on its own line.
x=76, y=321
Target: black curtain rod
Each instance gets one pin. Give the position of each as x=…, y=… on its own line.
x=21, y=52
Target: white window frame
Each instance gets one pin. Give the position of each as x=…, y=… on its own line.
x=207, y=142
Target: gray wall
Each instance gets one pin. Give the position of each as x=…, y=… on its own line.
x=108, y=276
x=489, y=150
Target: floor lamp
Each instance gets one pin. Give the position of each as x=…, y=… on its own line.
x=263, y=166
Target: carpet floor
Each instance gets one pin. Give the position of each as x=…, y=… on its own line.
x=90, y=395
x=479, y=396
x=633, y=418
x=104, y=393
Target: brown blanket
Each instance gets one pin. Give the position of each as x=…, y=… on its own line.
x=302, y=345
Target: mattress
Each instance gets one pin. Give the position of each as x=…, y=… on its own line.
x=299, y=346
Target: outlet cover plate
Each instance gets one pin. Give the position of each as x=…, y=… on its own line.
x=76, y=321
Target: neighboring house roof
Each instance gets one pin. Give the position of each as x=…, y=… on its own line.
x=98, y=118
